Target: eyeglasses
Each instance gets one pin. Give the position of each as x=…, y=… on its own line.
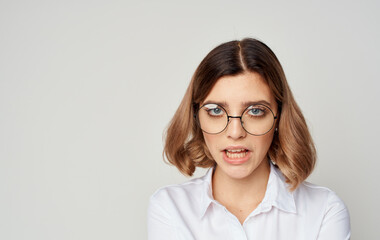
x=256, y=119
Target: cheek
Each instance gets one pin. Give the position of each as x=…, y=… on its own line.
x=264, y=143
x=211, y=142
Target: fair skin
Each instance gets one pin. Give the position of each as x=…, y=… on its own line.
x=240, y=180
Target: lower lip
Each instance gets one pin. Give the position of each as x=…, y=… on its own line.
x=236, y=161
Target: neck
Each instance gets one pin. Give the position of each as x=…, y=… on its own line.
x=243, y=191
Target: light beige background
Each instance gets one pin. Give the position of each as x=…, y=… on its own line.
x=87, y=88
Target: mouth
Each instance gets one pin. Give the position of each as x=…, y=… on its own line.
x=236, y=155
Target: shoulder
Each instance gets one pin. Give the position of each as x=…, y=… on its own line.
x=311, y=193
x=326, y=207
x=172, y=209
x=324, y=204
x=169, y=197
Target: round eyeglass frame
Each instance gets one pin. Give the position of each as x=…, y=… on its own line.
x=240, y=117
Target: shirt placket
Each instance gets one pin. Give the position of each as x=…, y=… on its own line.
x=236, y=230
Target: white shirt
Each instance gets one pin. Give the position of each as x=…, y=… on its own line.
x=189, y=211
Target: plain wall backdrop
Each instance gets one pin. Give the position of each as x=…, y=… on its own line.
x=88, y=87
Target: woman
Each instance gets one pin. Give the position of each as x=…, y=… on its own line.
x=239, y=119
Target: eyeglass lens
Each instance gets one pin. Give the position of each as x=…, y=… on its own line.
x=256, y=119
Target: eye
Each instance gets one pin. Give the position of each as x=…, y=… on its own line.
x=214, y=110
x=256, y=111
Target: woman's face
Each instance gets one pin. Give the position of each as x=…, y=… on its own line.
x=238, y=154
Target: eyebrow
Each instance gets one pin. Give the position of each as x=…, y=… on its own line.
x=243, y=104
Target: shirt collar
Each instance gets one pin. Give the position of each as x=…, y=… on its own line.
x=206, y=197
x=277, y=193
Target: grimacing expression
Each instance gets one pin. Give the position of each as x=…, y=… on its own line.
x=238, y=154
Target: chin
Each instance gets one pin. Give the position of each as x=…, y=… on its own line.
x=237, y=172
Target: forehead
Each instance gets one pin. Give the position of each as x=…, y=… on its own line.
x=242, y=88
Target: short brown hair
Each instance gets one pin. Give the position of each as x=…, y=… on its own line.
x=292, y=148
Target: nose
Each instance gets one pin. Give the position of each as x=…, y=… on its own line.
x=234, y=129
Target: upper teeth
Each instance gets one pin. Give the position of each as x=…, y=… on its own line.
x=236, y=150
